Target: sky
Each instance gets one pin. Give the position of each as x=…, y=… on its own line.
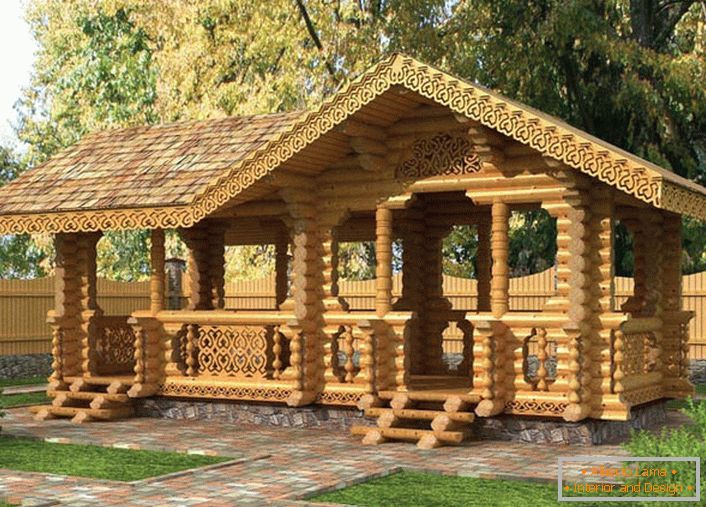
x=17, y=53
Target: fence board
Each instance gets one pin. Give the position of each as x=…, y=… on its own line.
x=24, y=303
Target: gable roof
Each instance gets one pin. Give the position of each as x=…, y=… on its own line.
x=175, y=175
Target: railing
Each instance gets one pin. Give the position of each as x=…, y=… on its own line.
x=363, y=354
x=229, y=345
x=636, y=354
x=456, y=353
x=113, y=345
x=539, y=360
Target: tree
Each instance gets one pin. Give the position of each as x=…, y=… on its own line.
x=19, y=256
x=628, y=71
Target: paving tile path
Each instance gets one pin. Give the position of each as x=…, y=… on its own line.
x=277, y=466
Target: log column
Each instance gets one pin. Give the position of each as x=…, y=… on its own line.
x=329, y=245
x=500, y=282
x=88, y=305
x=383, y=255
x=493, y=358
x=483, y=263
x=433, y=318
x=216, y=264
x=653, y=258
x=676, y=332
x=65, y=317
x=281, y=267
x=157, y=271
x=581, y=328
x=306, y=334
x=196, y=239
x=603, y=271
x=412, y=232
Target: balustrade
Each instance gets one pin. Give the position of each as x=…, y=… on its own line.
x=114, y=345
x=230, y=345
x=364, y=354
x=635, y=354
x=539, y=360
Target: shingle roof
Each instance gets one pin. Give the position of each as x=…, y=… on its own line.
x=176, y=175
x=142, y=166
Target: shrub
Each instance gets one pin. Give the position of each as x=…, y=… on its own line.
x=687, y=441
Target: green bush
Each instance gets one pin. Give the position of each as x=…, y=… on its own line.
x=687, y=441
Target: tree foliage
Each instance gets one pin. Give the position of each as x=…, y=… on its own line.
x=20, y=257
x=628, y=71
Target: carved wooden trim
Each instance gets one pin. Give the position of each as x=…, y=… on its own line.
x=626, y=172
x=448, y=154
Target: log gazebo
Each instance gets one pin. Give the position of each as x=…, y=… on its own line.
x=404, y=152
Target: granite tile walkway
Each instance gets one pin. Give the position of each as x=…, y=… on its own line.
x=276, y=466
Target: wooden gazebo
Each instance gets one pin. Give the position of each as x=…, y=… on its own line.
x=404, y=152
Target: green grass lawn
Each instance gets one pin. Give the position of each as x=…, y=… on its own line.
x=433, y=490
x=31, y=455
x=5, y=382
x=17, y=400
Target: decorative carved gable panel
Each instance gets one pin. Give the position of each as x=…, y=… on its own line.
x=441, y=154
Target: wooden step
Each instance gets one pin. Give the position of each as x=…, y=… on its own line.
x=429, y=396
x=427, y=415
x=411, y=434
x=82, y=414
x=103, y=381
x=90, y=396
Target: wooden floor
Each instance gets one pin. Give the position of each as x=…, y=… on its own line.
x=436, y=388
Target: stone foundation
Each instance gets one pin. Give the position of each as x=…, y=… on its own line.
x=540, y=430
x=29, y=365
x=252, y=413
x=535, y=430
x=697, y=371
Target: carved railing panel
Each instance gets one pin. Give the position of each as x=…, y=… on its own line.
x=228, y=345
x=114, y=345
x=635, y=354
x=233, y=351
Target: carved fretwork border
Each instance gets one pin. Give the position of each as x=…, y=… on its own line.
x=683, y=201
x=253, y=393
x=582, y=152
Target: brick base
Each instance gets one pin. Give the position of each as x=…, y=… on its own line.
x=506, y=427
x=251, y=413
x=539, y=430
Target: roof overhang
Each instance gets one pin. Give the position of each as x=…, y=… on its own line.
x=547, y=135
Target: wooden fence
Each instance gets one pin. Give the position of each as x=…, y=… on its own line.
x=24, y=303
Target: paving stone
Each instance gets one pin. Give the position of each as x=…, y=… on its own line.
x=280, y=465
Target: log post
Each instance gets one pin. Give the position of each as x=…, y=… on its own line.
x=67, y=298
x=200, y=296
x=491, y=359
x=383, y=255
x=332, y=302
x=216, y=263
x=676, y=335
x=56, y=379
x=175, y=270
x=410, y=348
x=580, y=329
x=412, y=232
x=500, y=282
x=306, y=334
x=603, y=283
x=281, y=267
x=483, y=264
x=88, y=305
x=157, y=271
